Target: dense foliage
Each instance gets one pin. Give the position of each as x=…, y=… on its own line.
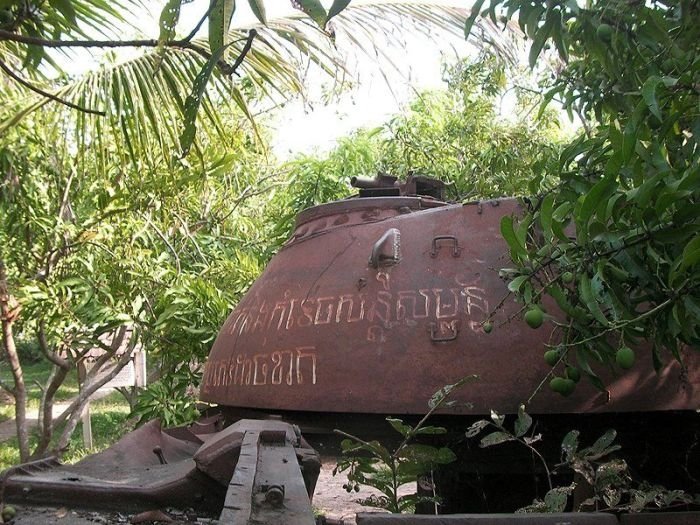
x=160, y=248
x=616, y=242
x=468, y=136
x=457, y=135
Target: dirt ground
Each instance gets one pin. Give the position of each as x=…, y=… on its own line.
x=332, y=500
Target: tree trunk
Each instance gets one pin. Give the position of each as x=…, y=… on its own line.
x=91, y=385
x=58, y=375
x=7, y=317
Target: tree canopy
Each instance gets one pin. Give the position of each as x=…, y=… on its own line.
x=615, y=243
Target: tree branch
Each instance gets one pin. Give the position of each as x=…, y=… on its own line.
x=9, y=349
x=189, y=37
x=165, y=240
x=46, y=94
x=88, y=44
x=72, y=412
x=246, y=48
x=115, y=344
x=56, y=379
x=7, y=388
x=36, y=41
x=44, y=347
x=622, y=324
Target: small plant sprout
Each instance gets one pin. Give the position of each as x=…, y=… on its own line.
x=372, y=464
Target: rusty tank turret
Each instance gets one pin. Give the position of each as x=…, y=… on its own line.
x=373, y=304
x=376, y=302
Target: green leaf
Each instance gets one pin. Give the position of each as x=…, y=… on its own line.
x=240, y=101
x=400, y=426
x=649, y=95
x=589, y=299
x=530, y=19
x=604, y=441
x=194, y=100
x=65, y=7
x=219, y=22
x=545, y=215
x=335, y=9
x=558, y=38
x=517, y=249
x=556, y=499
x=476, y=428
x=629, y=135
x=71, y=282
x=426, y=454
x=541, y=36
x=560, y=297
x=258, y=8
x=643, y=194
x=582, y=360
x=431, y=430
x=168, y=20
x=35, y=54
x=691, y=253
x=602, y=190
x=497, y=418
x=569, y=444
x=445, y=456
x=523, y=423
x=476, y=8
x=348, y=445
x=560, y=218
x=314, y=10
x=495, y=438
x=515, y=284
x=380, y=451
x=440, y=395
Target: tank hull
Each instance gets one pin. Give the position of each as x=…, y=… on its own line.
x=376, y=303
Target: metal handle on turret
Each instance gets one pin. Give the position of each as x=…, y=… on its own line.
x=454, y=331
x=455, y=245
x=387, y=250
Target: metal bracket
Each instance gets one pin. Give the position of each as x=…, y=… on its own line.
x=456, y=250
x=267, y=480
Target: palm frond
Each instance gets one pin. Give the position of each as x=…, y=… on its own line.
x=69, y=21
x=143, y=98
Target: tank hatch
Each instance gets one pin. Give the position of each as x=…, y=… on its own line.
x=384, y=185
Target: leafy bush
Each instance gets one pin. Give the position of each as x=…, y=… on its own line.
x=616, y=243
x=609, y=478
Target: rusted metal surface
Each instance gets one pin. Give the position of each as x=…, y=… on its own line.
x=375, y=303
x=127, y=476
x=149, y=468
x=267, y=486
x=575, y=518
x=666, y=518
